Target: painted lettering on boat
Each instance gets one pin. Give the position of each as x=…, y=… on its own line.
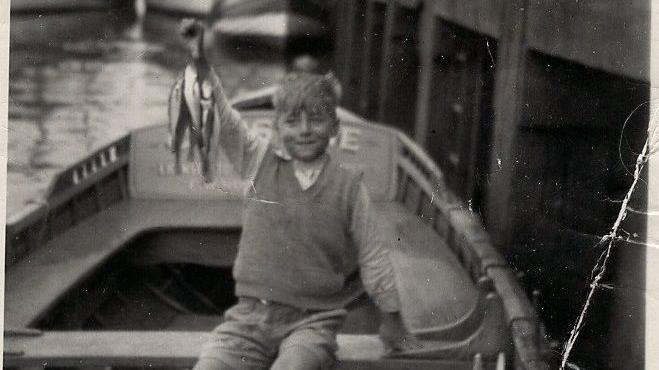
x=347, y=140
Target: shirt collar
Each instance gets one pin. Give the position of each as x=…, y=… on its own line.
x=283, y=154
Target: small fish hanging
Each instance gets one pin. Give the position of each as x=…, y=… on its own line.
x=192, y=103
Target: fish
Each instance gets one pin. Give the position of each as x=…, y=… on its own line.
x=186, y=111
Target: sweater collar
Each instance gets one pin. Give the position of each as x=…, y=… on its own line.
x=282, y=153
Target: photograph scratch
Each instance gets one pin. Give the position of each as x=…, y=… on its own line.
x=600, y=268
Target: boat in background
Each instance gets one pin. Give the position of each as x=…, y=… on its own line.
x=198, y=8
x=25, y=6
x=128, y=264
x=273, y=21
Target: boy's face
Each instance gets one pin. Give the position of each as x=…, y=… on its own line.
x=306, y=133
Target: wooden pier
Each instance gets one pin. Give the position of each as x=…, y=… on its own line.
x=527, y=108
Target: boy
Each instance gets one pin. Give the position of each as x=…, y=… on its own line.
x=307, y=232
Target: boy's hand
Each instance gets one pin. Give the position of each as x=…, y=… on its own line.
x=190, y=28
x=395, y=335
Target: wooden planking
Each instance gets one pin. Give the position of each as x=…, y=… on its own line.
x=612, y=36
x=483, y=16
x=179, y=349
x=352, y=72
x=35, y=284
x=425, y=164
x=392, y=12
x=56, y=199
x=526, y=340
x=427, y=49
x=417, y=178
x=399, y=70
x=77, y=191
x=460, y=118
x=609, y=35
x=341, y=38
x=516, y=305
x=509, y=88
x=569, y=163
x=372, y=58
x=569, y=95
x=473, y=241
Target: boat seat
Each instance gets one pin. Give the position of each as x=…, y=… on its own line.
x=440, y=301
x=176, y=349
x=36, y=283
x=435, y=289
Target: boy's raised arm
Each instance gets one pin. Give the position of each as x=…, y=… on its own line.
x=232, y=139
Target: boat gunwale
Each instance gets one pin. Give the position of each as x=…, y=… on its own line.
x=517, y=306
x=33, y=222
x=52, y=197
x=363, y=351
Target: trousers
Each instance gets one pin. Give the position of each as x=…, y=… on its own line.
x=257, y=335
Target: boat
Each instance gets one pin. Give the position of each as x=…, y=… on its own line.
x=198, y=8
x=273, y=21
x=112, y=269
x=31, y=6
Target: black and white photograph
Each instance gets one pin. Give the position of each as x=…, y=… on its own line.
x=330, y=184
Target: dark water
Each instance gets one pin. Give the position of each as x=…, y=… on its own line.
x=79, y=80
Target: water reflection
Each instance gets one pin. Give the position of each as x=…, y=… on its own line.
x=79, y=80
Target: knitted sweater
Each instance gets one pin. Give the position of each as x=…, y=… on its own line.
x=295, y=246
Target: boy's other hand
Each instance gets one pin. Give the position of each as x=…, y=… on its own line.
x=395, y=335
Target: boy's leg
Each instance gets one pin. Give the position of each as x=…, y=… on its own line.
x=238, y=343
x=312, y=343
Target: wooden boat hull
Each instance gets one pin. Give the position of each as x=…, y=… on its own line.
x=122, y=246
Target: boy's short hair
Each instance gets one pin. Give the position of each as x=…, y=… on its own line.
x=312, y=91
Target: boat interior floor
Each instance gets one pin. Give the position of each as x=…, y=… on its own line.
x=164, y=297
